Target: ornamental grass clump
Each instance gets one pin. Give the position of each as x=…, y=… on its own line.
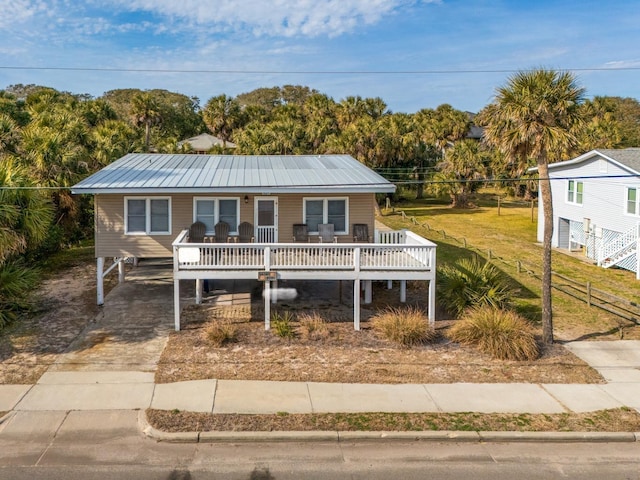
x=282, y=324
x=406, y=326
x=473, y=283
x=503, y=334
x=221, y=332
x=313, y=326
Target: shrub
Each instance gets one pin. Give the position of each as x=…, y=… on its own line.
x=17, y=280
x=313, y=326
x=472, y=283
x=282, y=324
x=221, y=332
x=407, y=326
x=503, y=334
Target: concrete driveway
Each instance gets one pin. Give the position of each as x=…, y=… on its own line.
x=132, y=328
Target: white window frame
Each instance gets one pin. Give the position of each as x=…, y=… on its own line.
x=626, y=202
x=575, y=192
x=216, y=211
x=147, y=213
x=325, y=212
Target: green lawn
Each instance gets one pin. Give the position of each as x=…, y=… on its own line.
x=511, y=238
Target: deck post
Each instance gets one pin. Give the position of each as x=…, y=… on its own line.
x=100, y=280
x=356, y=304
x=403, y=291
x=121, y=271
x=432, y=302
x=176, y=303
x=368, y=291
x=389, y=284
x=267, y=305
x=199, y=291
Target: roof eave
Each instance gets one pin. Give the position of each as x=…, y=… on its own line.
x=387, y=188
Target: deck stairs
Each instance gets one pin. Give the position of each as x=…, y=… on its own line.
x=622, y=250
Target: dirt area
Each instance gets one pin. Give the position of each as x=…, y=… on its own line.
x=64, y=304
x=618, y=420
x=343, y=355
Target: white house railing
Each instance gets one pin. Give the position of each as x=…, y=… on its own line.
x=402, y=250
x=618, y=247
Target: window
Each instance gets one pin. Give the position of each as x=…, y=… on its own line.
x=147, y=216
x=213, y=210
x=574, y=192
x=326, y=210
x=632, y=201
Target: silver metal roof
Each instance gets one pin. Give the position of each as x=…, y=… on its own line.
x=184, y=173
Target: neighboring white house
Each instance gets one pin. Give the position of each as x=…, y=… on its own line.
x=596, y=206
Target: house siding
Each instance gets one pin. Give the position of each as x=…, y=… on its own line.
x=604, y=199
x=111, y=241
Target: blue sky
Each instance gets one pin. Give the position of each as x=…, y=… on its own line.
x=432, y=51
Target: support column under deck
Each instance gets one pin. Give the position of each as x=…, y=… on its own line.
x=100, y=280
x=356, y=304
x=176, y=303
x=432, y=302
x=267, y=305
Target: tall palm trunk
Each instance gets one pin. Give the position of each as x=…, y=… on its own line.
x=547, y=209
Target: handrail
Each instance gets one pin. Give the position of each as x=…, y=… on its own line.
x=622, y=243
x=415, y=253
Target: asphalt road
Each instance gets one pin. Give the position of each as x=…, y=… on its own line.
x=134, y=457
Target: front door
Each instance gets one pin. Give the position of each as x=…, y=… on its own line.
x=266, y=219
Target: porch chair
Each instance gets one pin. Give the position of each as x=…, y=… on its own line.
x=196, y=232
x=300, y=232
x=361, y=233
x=222, y=232
x=245, y=233
x=326, y=233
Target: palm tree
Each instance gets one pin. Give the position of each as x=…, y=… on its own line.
x=222, y=114
x=146, y=111
x=534, y=117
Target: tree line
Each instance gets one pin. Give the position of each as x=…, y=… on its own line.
x=50, y=139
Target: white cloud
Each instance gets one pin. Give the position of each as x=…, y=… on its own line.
x=277, y=17
x=19, y=11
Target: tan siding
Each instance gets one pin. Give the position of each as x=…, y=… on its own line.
x=361, y=210
x=112, y=242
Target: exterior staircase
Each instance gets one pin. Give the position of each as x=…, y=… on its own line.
x=622, y=251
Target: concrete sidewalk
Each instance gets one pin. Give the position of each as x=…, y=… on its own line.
x=92, y=390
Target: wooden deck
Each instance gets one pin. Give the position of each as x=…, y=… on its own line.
x=396, y=255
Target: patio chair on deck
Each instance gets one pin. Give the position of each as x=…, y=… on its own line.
x=300, y=233
x=326, y=233
x=222, y=232
x=361, y=233
x=196, y=232
x=245, y=233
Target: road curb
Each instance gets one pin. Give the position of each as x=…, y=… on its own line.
x=348, y=436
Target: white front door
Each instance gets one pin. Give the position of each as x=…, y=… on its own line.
x=266, y=219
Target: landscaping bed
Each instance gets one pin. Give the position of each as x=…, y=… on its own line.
x=343, y=355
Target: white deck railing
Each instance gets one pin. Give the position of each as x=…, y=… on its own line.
x=622, y=243
x=398, y=250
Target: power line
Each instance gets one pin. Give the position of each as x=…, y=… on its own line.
x=300, y=72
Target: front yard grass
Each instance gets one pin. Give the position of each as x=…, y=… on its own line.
x=511, y=237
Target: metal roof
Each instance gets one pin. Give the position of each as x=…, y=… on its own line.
x=185, y=173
